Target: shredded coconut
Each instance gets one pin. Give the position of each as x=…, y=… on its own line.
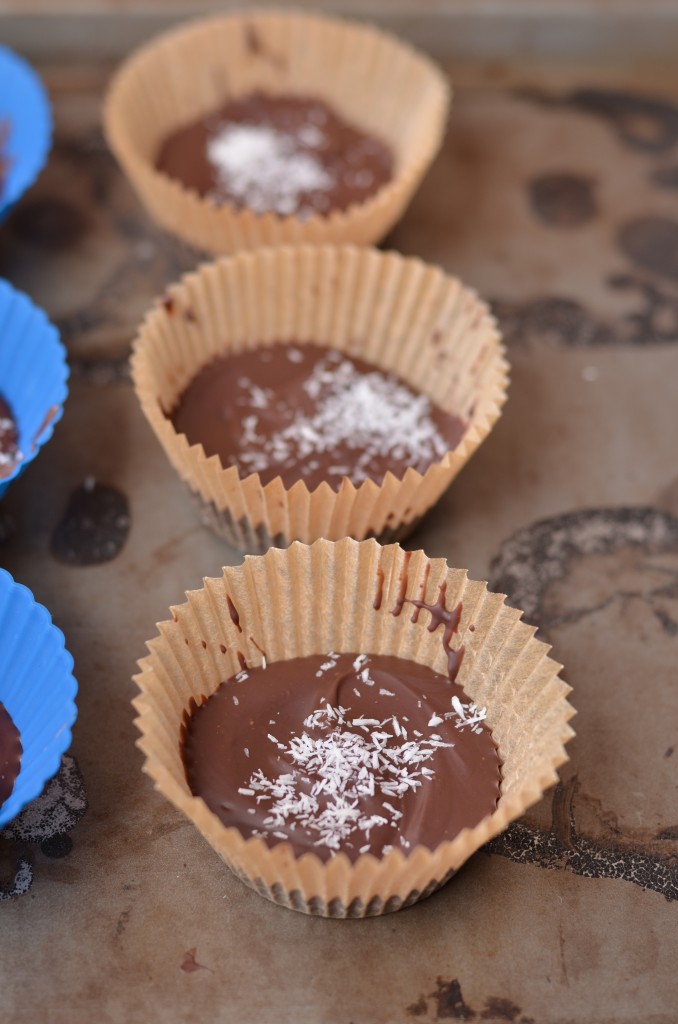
x=373, y=413
x=338, y=759
x=344, y=765
x=266, y=169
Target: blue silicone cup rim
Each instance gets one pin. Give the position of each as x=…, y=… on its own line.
x=56, y=689
x=25, y=105
x=34, y=381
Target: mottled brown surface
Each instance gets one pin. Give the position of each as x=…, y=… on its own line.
x=571, y=505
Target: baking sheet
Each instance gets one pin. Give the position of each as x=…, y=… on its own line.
x=556, y=197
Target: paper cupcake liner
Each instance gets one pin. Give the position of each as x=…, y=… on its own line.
x=399, y=314
x=38, y=689
x=370, y=78
x=33, y=374
x=25, y=110
x=311, y=600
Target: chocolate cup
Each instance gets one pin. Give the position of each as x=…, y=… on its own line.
x=303, y=601
x=396, y=313
x=370, y=78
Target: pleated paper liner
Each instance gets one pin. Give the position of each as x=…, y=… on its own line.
x=370, y=78
x=311, y=600
x=397, y=313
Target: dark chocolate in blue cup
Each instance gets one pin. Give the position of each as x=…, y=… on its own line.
x=37, y=690
x=25, y=127
x=33, y=380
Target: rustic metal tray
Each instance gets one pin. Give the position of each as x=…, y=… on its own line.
x=556, y=197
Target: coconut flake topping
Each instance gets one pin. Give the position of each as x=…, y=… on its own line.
x=373, y=413
x=338, y=759
x=266, y=169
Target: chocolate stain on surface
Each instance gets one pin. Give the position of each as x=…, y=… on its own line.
x=551, y=320
x=529, y=564
x=539, y=555
x=50, y=224
x=189, y=964
x=233, y=612
x=57, y=846
x=450, y=1003
x=588, y=857
x=168, y=304
x=562, y=321
x=562, y=200
x=418, y=1009
x=46, y=821
x=499, y=1009
x=652, y=243
x=94, y=527
x=242, y=662
x=645, y=123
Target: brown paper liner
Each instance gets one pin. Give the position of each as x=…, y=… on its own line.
x=370, y=78
x=303, y=601
x=397, y=313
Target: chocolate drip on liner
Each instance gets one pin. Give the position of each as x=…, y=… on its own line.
x=422, y=590
x=439, y=615
x=262, y=652
x=403, y=581
x=233, y=612
x=379, y=596
x=242, y=662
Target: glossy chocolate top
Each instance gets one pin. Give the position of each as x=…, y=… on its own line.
x=283, y=154
x=304, y=412
x=9, y=440
x=343, y=752
x=10, y=754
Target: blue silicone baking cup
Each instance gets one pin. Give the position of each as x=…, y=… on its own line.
x=33, y=373
x=24, y=106
x=38, y=689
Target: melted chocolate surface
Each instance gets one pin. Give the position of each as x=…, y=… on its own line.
x=304, y=412
x=289, y=155
x=10, y=754
x=9, y=439
x=343, y=752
